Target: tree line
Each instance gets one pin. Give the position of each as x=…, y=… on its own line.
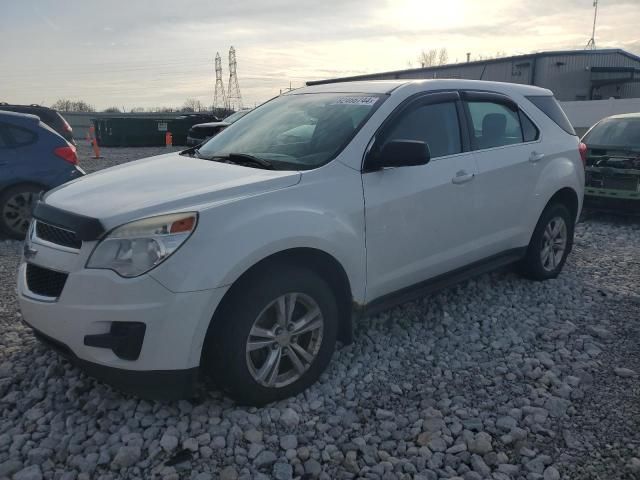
x=190, y=105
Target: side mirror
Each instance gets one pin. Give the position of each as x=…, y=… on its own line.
x=399, y=153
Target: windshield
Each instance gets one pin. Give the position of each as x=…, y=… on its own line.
x=618, y=132
x=295, y=132
x=235, y=116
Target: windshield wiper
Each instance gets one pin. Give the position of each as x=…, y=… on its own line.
x=192, y=152
x=244, y=158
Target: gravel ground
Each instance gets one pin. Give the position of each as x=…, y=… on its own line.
x=497, y=378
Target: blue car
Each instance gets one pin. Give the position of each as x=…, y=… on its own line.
x=33, y=158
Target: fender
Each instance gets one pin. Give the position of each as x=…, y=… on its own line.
x=563, y=170
x=241, y=233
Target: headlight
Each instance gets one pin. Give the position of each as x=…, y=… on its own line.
x=137, y=247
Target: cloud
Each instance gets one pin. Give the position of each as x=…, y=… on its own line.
x=149, y=52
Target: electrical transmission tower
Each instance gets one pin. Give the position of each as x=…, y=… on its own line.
x=234, y=99
x=219, y=97
x=591, y=44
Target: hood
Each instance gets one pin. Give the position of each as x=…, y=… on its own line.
x=163, y=183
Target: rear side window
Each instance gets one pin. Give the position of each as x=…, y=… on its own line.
x=551, y=108
x=436, y=124
x=20, y=137
x=494, y=125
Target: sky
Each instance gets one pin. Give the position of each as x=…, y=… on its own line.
x=148, y=53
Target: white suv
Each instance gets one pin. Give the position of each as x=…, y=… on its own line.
x=248, y=258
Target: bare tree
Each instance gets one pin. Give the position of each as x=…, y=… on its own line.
x=498, y=54
x=66, y=105
x=192, y=105
x=443, y=56
x=112, y=110
x=137, y=110
x=433, y=57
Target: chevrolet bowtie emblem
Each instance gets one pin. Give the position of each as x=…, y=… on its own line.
x=29, y=252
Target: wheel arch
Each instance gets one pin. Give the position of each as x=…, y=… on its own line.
x=8, y=186
x=568, y=197
x=319, y=261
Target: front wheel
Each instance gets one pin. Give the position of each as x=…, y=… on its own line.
x=274, y=335
x=550, y=243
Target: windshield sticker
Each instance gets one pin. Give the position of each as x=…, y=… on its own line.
x=355, y=101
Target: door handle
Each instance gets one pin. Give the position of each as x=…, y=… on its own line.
x=535, y=157
x=462, y=177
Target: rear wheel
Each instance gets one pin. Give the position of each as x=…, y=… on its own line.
x=273, y=337
x=16, y=206
x=550, y=244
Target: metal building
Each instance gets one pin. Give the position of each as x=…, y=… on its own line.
x=571, y=75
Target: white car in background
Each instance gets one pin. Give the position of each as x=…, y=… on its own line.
x=248, y=258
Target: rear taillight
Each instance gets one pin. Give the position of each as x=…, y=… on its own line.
x=68, y=154
x=582, y=148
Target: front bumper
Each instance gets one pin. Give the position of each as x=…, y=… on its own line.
x=92, y=301
x=153, y=385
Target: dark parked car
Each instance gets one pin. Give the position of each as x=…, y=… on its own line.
x=33, y=158
x=204, y=131
x=49, y=116
x=612, y=172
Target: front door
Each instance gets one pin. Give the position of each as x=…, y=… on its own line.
x=420, y=220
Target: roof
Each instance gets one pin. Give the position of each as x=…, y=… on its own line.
x=528, y=56
x=626, y=115
x=368, y=86
x=381, y=87
x=9, y=116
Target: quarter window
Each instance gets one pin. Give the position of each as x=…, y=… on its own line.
x=436, y=124
x=494, y=125
x=529, y=131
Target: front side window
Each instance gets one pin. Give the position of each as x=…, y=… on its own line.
x=295, y=132
x=493, y=125
x=436, y=124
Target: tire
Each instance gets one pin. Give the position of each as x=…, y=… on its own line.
x=256, y=305
x=16, y=205
x=550, y=243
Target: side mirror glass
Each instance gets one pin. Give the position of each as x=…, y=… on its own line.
x=400, y=153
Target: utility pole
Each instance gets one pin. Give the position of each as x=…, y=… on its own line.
x=234, y=99
x=219, y=97
x=591, y=44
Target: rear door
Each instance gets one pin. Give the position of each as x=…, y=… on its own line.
x=509, y=156
x=419, y=219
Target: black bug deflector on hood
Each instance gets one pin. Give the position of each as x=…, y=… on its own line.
x=85, y=228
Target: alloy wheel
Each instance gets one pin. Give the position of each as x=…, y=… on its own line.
x=284, y=340
x=16, y=212
x=554, y=243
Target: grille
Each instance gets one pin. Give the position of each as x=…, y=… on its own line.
x=45, y=282
x=57, y=235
